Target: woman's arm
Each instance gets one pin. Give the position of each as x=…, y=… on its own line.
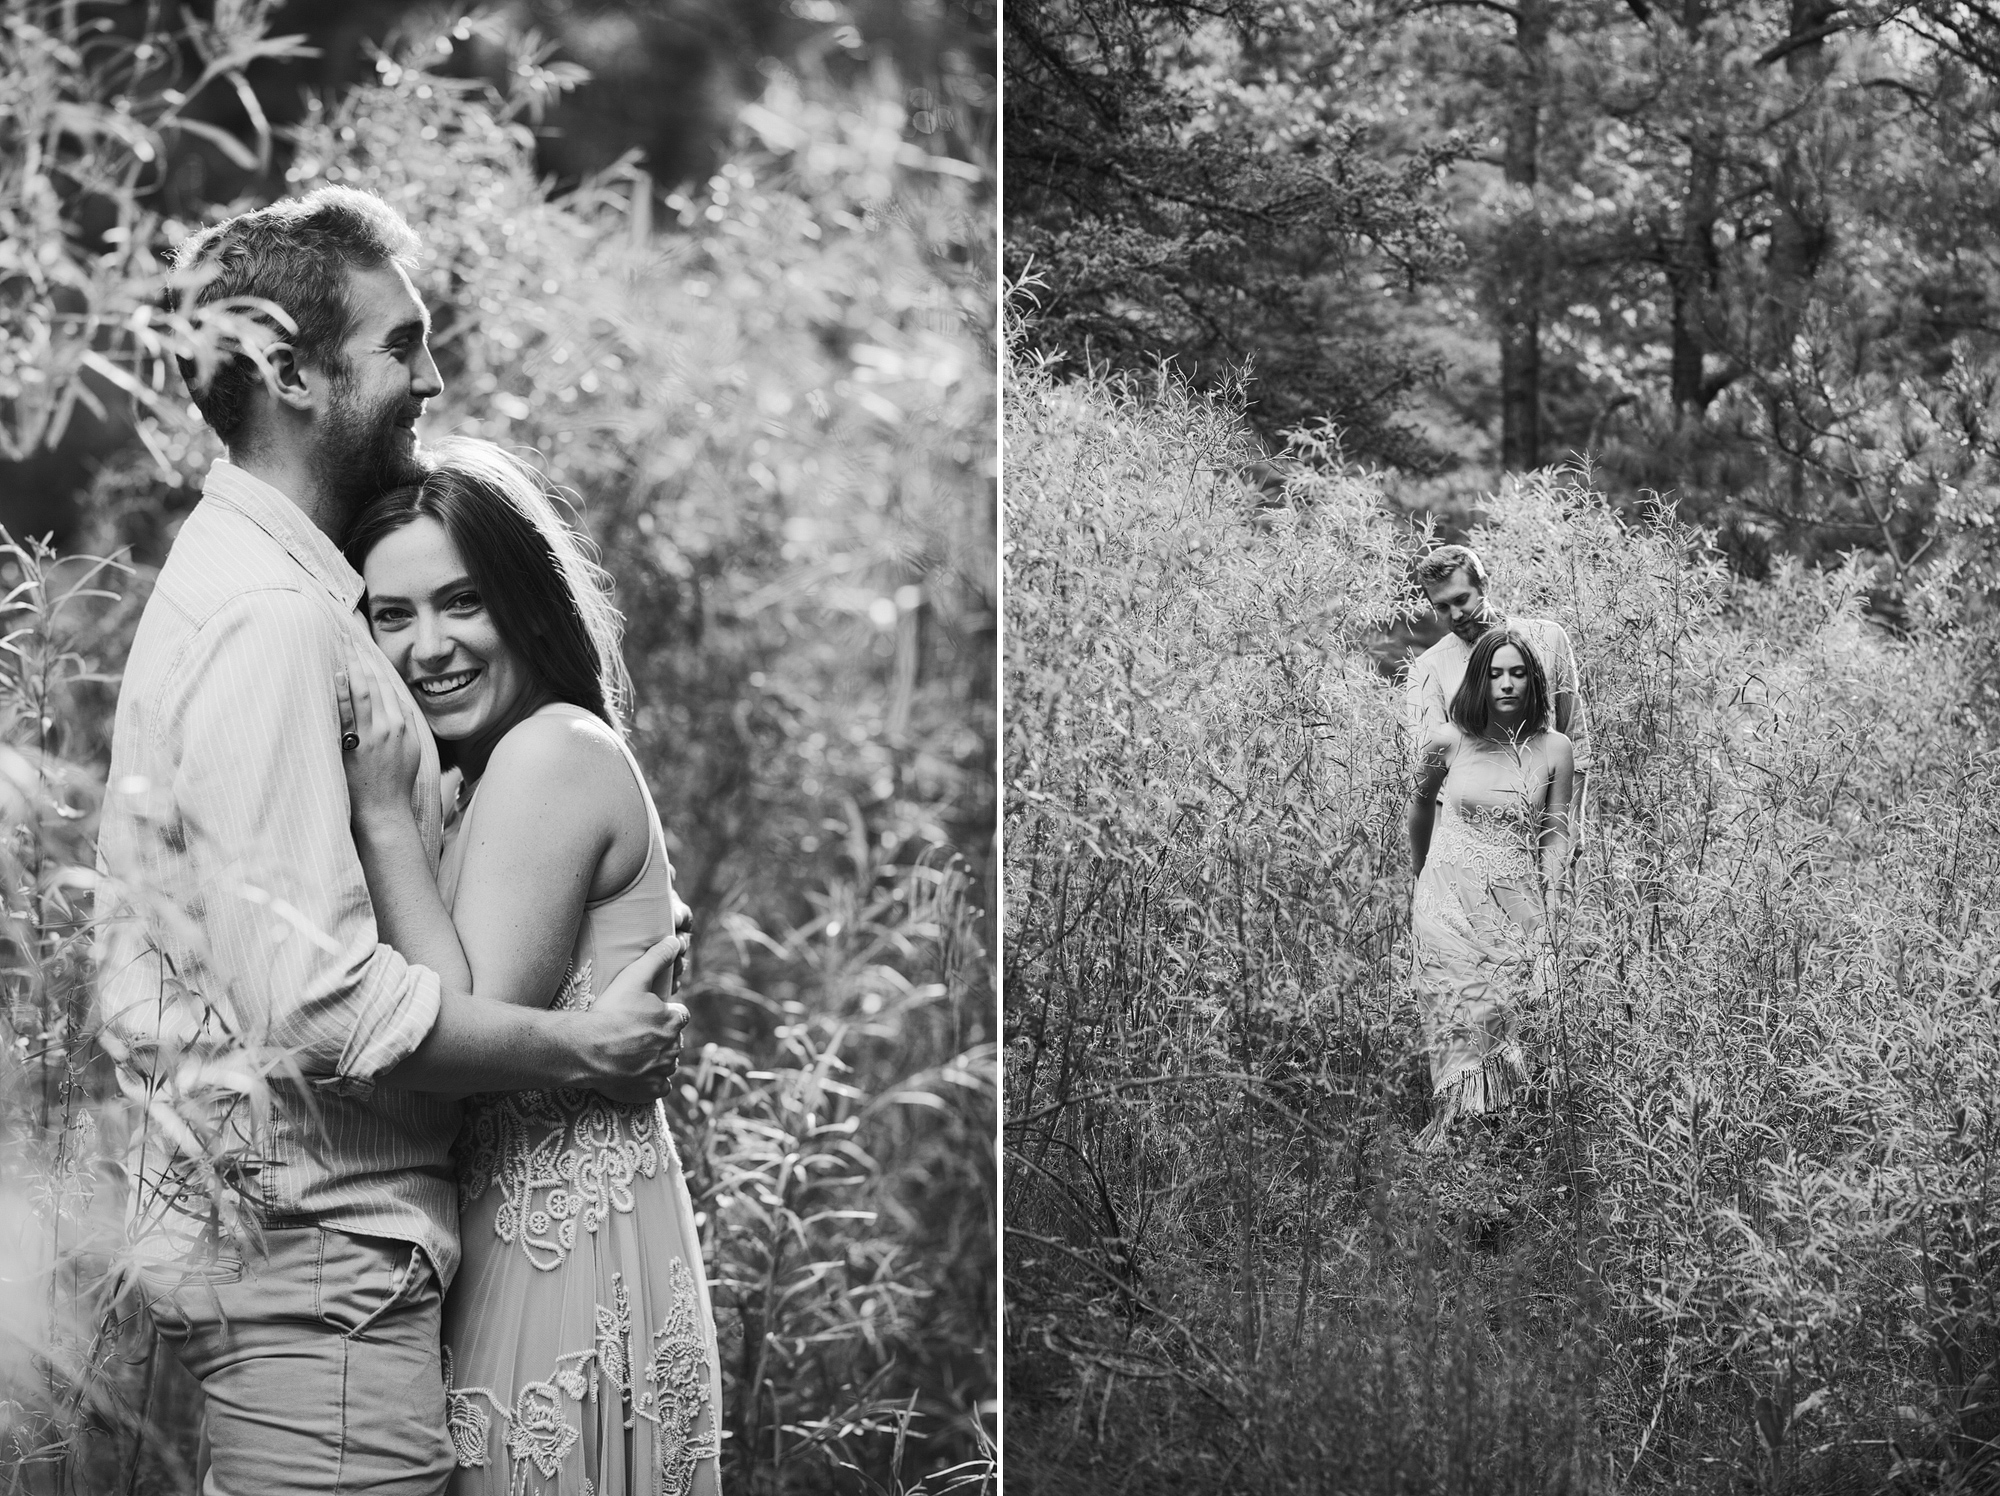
x=381, y=770
x=1433, y=760
x=551, y=820
x=560, y=820
x=627, y=1046
x=1557, y=823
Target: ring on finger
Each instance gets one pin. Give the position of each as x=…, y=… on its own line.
x=349, y=741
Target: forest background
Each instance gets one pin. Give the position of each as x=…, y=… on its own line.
x=1736, y=252
x=1684, y=315
x=725, y=272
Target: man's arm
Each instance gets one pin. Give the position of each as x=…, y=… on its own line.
x=1573, y=721
x=627, y=1046
x=1572, y=717
x=1429, y=713
x=1433, y=761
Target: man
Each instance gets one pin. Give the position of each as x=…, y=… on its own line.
x=317, y=1345
x=1454, y=579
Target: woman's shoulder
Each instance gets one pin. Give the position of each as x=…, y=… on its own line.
x=577, y=752
x=1554, y=745
x=1441, y=743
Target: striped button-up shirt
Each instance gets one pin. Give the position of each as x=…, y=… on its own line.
x=247, y=940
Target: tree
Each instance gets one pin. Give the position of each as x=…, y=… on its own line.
x=1172, y=196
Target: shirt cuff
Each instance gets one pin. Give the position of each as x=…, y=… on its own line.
x=390, y=1028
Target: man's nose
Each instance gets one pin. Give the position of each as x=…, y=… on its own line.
x=425, y=381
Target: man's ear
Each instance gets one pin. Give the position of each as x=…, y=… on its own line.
x=286, y=378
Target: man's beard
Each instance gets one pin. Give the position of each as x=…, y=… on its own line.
x=363, y=453
x=1474, y=629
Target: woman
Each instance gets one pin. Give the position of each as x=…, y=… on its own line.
x=1489, y=836
x=579, y=1344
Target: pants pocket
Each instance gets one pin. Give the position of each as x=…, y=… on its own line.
x=363, y=1279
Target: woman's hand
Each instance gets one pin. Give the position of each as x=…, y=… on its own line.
x=376, y=709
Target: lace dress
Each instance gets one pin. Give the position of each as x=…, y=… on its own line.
x=579, y=1346
x=1477, y=927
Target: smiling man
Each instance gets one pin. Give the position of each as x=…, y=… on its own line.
x=1455, y=580
x=314, y=1333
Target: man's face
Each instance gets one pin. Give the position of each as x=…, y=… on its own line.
x=1461, y=604
x=367, y=440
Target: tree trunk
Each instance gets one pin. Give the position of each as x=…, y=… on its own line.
x=1523, y=246
x=1689, y=278
x=1801, y=231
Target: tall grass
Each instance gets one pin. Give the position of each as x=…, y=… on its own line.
x=1740, y=1235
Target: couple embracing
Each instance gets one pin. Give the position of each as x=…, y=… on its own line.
x=371, y=792
x=1497, y=711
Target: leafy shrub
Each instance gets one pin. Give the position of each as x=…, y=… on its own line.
x=1740, y=1234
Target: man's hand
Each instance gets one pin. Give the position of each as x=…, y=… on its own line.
x=683, y=926
x=634, y=1044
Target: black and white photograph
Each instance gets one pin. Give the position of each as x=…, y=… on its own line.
x=498, y=715
x=1499, y=760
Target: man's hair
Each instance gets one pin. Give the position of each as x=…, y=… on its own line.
x=293, y=254
x=1470, y=707
x=548, y=600
x=1438, y=566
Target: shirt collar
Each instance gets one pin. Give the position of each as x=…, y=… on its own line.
x=277, y=516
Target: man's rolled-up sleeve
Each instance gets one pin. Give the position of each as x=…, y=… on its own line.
x=261, y=800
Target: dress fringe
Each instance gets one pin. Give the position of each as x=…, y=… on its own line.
x=1475, y=1091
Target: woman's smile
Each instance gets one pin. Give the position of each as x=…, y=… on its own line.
x=440, y=687
x=430, y=620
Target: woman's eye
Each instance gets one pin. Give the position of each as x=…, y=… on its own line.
x=466, y=602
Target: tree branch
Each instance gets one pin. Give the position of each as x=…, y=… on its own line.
x=1803, y=39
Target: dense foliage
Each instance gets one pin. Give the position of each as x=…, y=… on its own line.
x=1739, y=1235
x=1735, y=251
x=771, y=401
x=1157, y=207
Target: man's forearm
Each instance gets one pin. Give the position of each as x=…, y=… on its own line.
x=481, y=1045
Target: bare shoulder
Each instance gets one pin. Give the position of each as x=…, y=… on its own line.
x=1556, y=749
x=577, y=760
x=1439, y=744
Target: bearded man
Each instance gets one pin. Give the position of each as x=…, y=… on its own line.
x=249, y=937
x=1455, y=580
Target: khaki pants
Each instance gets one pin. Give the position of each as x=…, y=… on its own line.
x=318, y=1359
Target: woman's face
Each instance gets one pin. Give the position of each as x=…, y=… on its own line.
x=433, y=625
x=1507, y=684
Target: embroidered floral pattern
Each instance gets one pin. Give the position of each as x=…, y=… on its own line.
x=678, y=1376
x=675, y=1398
x=560, y=1157
x=1485, y=838
x=536, y=1430
x=468, y=1423
x=614, y=1339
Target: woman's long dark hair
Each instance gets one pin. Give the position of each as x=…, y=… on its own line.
x=548, y=599
x=1470, y=707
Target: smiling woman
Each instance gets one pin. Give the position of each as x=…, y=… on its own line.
x=484, y=600
x=554, y=875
